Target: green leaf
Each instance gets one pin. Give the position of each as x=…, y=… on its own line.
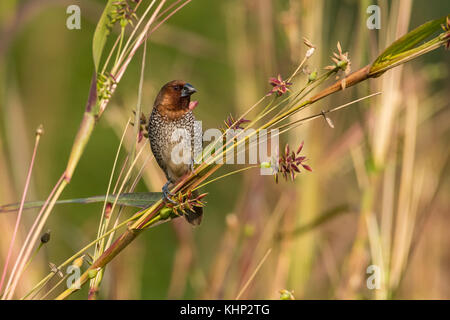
x=137, y=199
x=408, y=42
x=102, y=32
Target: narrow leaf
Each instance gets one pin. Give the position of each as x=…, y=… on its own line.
x=137, y=199
x=102, y=32
x=410, y=40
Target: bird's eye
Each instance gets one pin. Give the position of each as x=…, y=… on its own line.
x=177, y=88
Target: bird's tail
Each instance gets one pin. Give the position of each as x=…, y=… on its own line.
x=194, y=216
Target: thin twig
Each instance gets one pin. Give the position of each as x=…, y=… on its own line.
x=253, y=274
x=19, y=214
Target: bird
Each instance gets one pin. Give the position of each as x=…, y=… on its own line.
x=173, y=110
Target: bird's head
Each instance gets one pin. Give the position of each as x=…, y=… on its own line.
x=174, y=99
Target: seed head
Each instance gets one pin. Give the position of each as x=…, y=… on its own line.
x=187, y=202
x=40, y=130
x=280, y=86
x=289, y=163
x=45, y=237
x=341, y=63
x=231, y=123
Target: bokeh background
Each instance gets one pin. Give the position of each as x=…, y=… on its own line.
x=380, y=179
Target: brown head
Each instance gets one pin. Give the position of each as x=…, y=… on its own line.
x=174, y=99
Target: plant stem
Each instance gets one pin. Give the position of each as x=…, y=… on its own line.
x=150, y=216
x=19, y=214
x=126, y=238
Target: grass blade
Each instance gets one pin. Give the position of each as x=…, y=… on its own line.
x=136, y=199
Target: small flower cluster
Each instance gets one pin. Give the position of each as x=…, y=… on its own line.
x=106, y=84
x=231, y=123
x=188, y=202
x=279, y=85
x=123, y=13
x=288, y=164
x=341, y=62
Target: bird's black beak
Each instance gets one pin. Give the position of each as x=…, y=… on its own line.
x=187, y=90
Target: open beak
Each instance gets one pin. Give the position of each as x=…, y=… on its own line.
x=188, y=90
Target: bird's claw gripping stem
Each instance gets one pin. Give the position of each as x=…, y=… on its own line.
x=167, y=193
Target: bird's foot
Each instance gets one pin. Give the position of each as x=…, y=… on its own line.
x=167, y=194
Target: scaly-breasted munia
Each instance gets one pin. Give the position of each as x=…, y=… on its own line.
x=172, y=110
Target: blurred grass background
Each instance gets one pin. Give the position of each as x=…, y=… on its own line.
x=383, y=169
